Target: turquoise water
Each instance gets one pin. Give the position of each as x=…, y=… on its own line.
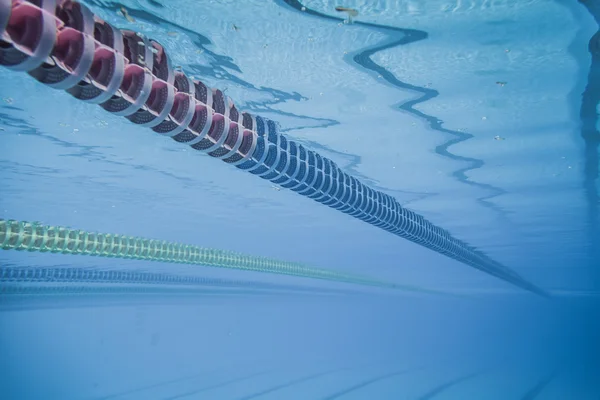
x=480, y=116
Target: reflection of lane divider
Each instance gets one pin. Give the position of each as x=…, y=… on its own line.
x=88, y=275
x=64, y=45
x=28, y=236
x=18, y=280
x=87, y=289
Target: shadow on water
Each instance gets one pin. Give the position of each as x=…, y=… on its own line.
x=364, y=384
x=183, y=379
x=535, y=391
x=290, y=383
x=445, y=386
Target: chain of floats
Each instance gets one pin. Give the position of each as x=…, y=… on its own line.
x=35, y=237
x=17, y=280
x=62, y=44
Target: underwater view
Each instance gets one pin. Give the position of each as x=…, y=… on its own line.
x=300, y=199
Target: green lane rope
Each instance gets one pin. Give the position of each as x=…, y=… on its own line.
x=35, y=237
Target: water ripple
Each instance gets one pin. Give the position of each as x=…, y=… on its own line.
x=218, y=65
x=400, y=37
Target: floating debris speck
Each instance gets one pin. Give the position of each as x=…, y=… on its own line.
x=235, y=27
x=126, y=15
x=498, y=138
x=500, y=83
x=351, y=12
x=8, y=100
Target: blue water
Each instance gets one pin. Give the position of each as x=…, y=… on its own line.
x=481, y=115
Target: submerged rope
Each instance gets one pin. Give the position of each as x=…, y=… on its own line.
x=35, y=237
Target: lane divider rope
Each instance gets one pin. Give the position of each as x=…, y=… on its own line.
x=62, y=44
